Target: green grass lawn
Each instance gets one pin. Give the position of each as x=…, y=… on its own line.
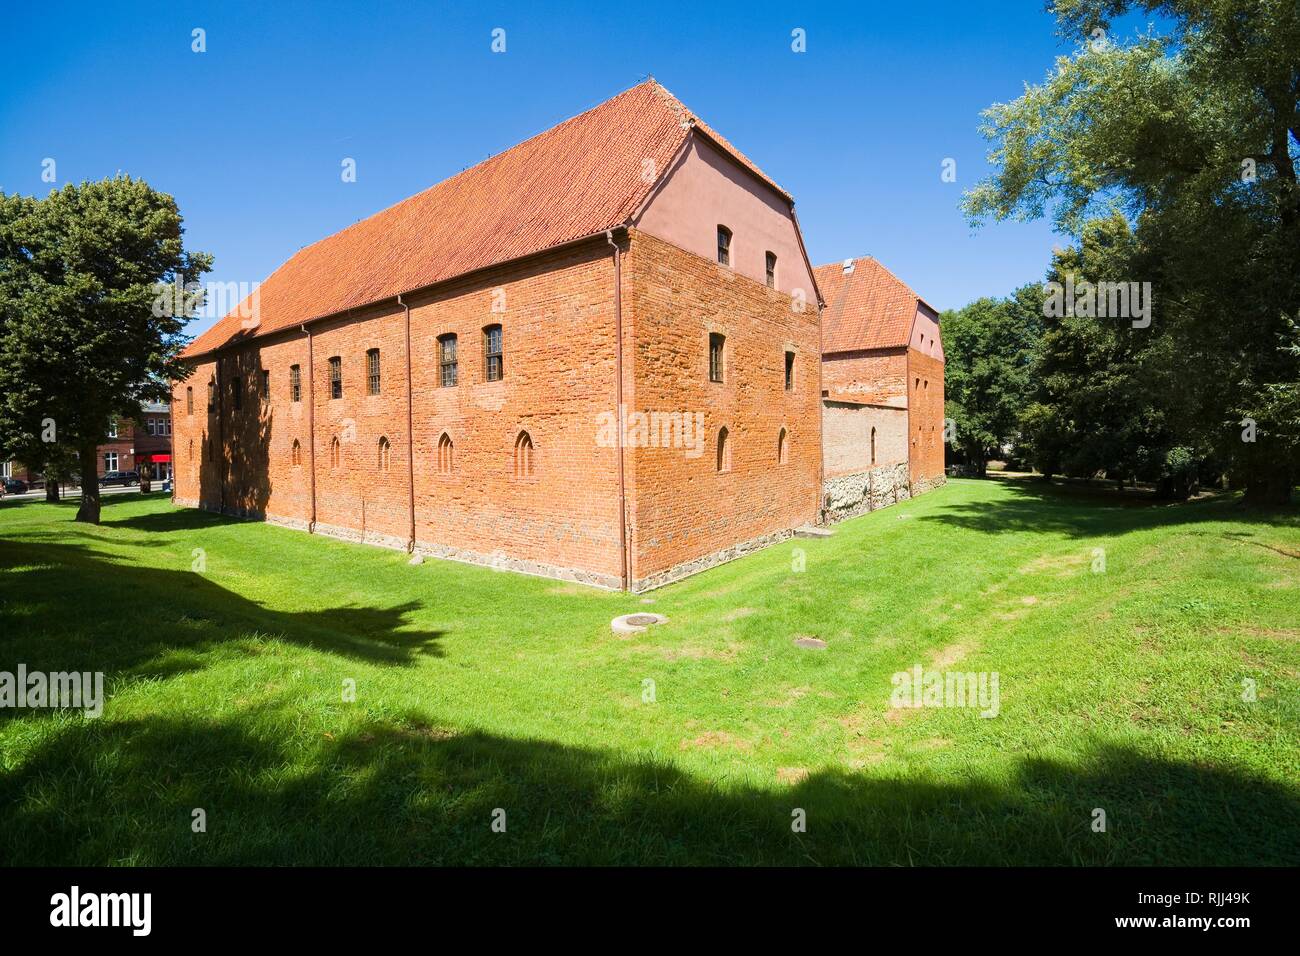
x=1120, y=689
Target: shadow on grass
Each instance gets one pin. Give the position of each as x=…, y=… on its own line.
x=67, y=606
x=103, y=792
x=1034, y=505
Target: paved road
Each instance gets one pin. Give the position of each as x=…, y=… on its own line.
x=76, y=492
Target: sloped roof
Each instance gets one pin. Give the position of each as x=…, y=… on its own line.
x=574, y=180
x=869, y=308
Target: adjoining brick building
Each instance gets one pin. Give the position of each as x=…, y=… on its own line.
x=594, y=356
x=882, y=388
x=141, y=444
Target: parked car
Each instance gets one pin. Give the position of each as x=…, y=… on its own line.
x=12, y=486
x=120, y=478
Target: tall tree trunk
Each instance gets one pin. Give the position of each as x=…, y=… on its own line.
x=89, y=510
x=1269, y=484
x=52, y=490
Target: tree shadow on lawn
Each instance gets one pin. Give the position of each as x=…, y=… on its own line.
x=1039, y=506
x=67, y=607
x=402, y=792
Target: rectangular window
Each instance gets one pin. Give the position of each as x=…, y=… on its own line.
x=715, y=356
x=492, y=360
x=447, y=360
x=724, y=246
x=189, y=400
x=295, y=383
x=110, y=461
x=789, y=370
x=237, y=389
x=336, y=377
x=150, y=426
x=266, y=385
x=112, y=429
x=372, y=372
x=771, y=270
x=212, y=395
x=167, y=423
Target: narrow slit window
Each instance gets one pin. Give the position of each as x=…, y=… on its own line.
x=336, y=377
x=447, y=360
x=724, y=450
x=771, y=270
x=724, y=246
x=716, y=366
x=789, y=370
x=385, y=453
x=266, y=385
x=189, y=400
x=446, y=455
x=783, y=448
x=524, y=456
x=492, y=358
x=296, y=457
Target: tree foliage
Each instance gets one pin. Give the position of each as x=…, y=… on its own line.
x=92, y=303
x=1192, y=134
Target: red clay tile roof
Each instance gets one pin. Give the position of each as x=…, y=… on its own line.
x=572, y=181
x=870, y=308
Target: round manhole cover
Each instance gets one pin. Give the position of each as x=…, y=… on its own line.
x=635, y=623
x=641, y=620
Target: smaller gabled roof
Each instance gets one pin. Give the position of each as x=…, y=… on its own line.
x=867, y=308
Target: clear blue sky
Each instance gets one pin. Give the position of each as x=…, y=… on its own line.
x=249, y=136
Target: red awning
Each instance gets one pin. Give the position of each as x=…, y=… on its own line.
x=156, y=459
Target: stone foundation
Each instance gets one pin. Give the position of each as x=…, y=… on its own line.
x=687, y=568
x=847, y=496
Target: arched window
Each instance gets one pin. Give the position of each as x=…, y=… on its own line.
x=446, y=454
x=297, y=452
x=724, y=245
x=189, y=400
x=873, y=446
x=524, y=456
x=782, y=447
x=385, y=451
x=336, y=453
x=724, y=450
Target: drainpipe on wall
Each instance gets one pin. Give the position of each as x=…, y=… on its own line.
x=625, y=583
x=221, y=437
x=410, y=432
x=311, y=426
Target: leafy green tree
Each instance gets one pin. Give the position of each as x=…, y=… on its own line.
x=1193, y=133
x=988, y=351
x=92, y=301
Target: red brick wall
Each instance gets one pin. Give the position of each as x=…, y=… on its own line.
x=559, y=356
x=682, y=509
x=875, y=376
x=558, y=342
x=925, y=415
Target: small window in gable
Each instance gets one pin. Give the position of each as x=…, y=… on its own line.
x=771, y=270
x=724, y=245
